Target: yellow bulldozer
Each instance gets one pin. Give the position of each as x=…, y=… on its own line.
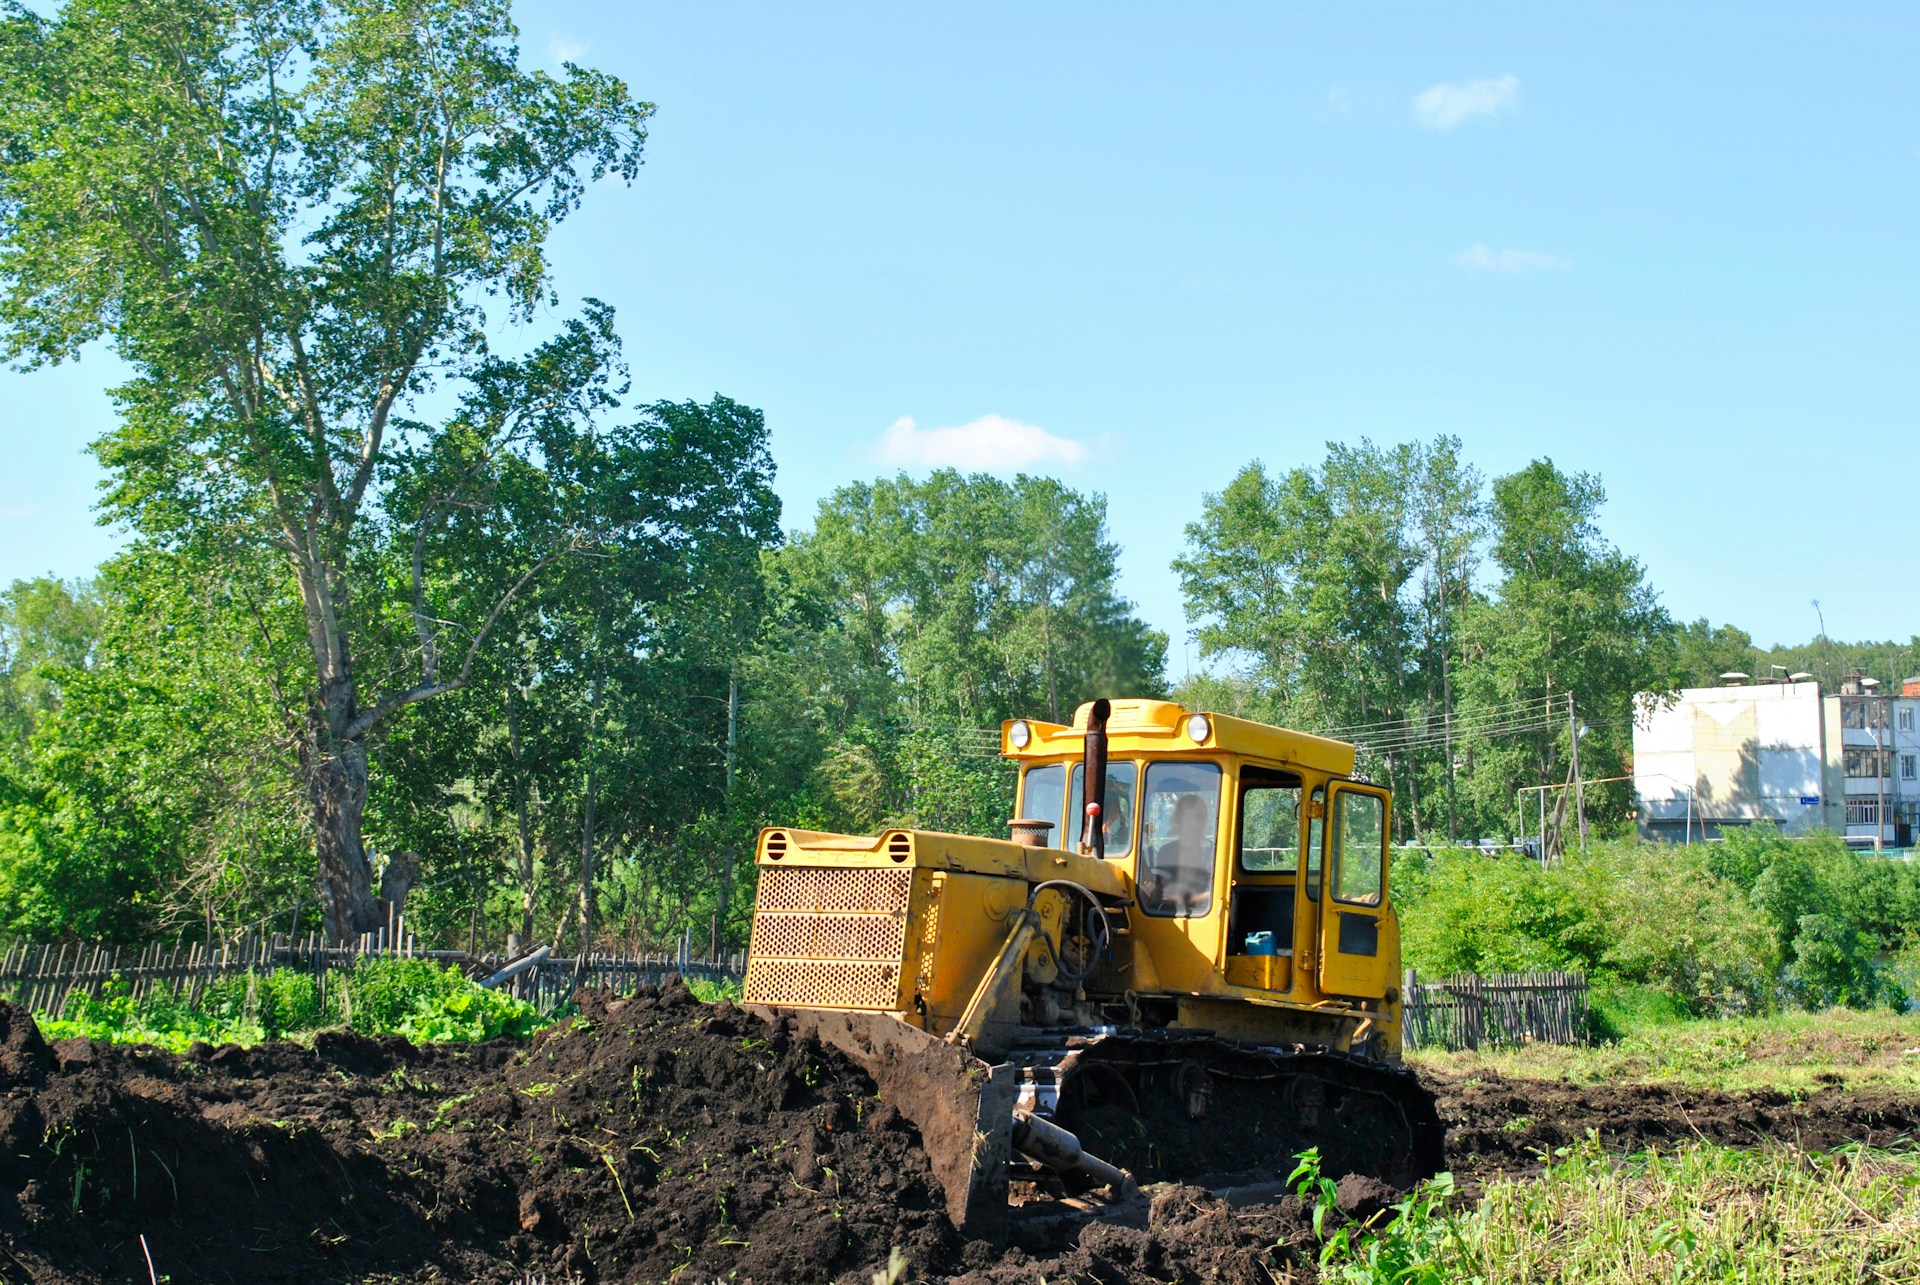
x=1184, y=963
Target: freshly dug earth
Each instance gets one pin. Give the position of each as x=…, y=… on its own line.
x=1498, y=1124
x=654, y=1138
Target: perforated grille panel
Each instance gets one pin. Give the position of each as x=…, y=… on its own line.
x=825, y=938
x=812, y=888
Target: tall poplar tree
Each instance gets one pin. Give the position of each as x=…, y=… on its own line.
x=291, y=218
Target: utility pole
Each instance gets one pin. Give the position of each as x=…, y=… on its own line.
x=1879, y=778
x=1579, y=786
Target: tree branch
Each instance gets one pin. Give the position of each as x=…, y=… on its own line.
x=425, y=690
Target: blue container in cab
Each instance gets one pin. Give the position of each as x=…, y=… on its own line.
x=1260, y=943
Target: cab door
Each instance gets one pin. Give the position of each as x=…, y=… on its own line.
x=1354, y=892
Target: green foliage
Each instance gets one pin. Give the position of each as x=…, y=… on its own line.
x=1671, y=931
x=1417, y=1242
x=947, y=788
x=288, y=218
x=963, y=599
x=713, y=992
x=418, y=999
x=1572, y=614
x=47, y=627
x=1341, y=595
x=1335, y=589
x=1836, y=914
x=159, y=793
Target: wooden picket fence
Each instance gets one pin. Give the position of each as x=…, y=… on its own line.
x=1469, y=1012
x=41, y=977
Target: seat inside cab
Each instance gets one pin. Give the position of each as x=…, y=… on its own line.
x=1266, y=864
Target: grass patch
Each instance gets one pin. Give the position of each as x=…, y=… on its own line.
x=713, y=992
x=1699, y=1215
x=1792, y=1052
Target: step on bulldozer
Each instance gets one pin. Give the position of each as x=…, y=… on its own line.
x=1183, y=963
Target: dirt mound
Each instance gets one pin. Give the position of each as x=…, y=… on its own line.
x=650, y=1138
x=653, y=1138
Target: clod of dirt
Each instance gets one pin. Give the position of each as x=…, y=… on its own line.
x=24, y=1055
x=1361, y=1198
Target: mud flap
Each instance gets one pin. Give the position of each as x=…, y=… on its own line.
x=962, y=1106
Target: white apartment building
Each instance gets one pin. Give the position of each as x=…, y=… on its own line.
x=1874, y=774
x=1709, y=758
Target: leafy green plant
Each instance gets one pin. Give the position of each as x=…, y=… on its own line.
x=418, y=999
x=1420, y=1244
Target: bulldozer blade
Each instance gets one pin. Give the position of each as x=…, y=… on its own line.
x=962, y=1106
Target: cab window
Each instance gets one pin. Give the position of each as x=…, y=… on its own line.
x=1180, y=821
x=1118, y=816
x=1269, y=827
x=1042, y=796
x=1359, y=850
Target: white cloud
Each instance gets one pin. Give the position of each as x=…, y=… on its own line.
x=990, y=442
x=1455, y=102
x=9, y=512
x=1481, y=258
x=564, y=48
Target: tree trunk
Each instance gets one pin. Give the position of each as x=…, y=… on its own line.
x=337, y=789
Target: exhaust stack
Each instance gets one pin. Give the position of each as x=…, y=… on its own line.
x=1093, y=834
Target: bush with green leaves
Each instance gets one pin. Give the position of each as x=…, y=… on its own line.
x=1668, y=931
x=418, y=999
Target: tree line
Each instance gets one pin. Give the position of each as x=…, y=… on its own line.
x=409, y=617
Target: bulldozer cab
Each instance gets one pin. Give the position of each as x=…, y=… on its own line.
x=1258, y=865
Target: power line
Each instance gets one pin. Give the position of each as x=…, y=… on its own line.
x=1352, y=730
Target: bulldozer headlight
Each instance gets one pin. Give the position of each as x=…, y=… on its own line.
x=1199, y=729
x=1019, y=735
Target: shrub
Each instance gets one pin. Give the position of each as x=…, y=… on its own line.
x=418, y=999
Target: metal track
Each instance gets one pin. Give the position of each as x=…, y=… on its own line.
x=1189, y=1105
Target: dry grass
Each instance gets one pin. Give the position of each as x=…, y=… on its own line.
x=1700, y=1214
x=1793, y=1052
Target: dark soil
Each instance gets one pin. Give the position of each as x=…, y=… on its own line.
x=651, y=1139
x=1501, y=1125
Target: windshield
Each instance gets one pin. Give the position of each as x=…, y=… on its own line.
x=1042, y=795
x=1119, y=807
x=1182, y=817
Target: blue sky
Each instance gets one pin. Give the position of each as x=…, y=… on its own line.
x=1143, y=245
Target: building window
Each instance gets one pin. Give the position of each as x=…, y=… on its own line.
x=1863, y=712
x=1861, y=762
x=1863, y=812
x=1906, y=718
x=1906, y=767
